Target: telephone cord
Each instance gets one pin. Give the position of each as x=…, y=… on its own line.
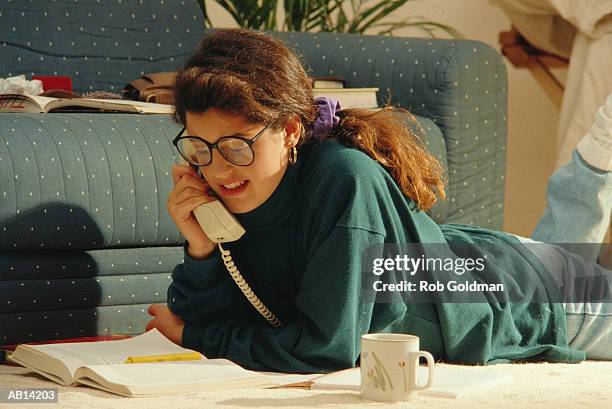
x=246, y=289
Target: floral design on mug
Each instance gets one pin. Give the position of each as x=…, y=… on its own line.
x=378, y=376
x=402, y=365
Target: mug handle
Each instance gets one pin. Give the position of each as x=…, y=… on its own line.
x=430, y=366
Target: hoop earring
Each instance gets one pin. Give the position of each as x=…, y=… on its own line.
x=293, y=155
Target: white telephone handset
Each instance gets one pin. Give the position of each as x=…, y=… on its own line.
x=218, y=223
x=221, y=226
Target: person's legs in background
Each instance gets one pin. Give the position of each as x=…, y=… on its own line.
x=579, y=194
x=579, y=203
x=586, y=288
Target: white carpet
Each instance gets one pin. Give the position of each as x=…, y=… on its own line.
x=554, y=386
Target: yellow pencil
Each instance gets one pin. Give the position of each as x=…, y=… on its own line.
x=187, y=356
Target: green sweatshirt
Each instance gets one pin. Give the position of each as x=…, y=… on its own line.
x=301, y=255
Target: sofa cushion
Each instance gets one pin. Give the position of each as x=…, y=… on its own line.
x=42, y=325
x=101, y=45
x=69, y=279
x=80, y=293
x=84, y=181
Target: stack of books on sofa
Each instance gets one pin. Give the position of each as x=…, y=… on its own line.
x=349, y=97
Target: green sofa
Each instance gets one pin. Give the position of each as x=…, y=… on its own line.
x=86, y=243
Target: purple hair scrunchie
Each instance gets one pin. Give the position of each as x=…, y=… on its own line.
x=326, y=118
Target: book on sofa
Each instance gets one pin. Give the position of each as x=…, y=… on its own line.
x=327, y=82
x=38, y=104
x=350, y=97
x=102, y=365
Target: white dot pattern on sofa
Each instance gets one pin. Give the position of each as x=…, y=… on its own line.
x=83, y=181
x=460, y=85
x=91, y=185
x=96, y=291
x=80, y=186
x=100, y=44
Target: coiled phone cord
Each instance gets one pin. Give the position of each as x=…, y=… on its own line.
x=246, y=289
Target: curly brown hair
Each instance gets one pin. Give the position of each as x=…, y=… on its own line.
x=255, y=75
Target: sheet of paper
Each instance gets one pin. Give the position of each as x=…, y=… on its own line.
x=280, y=378
x=448, y=382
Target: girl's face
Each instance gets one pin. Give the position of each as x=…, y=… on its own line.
x=257, y=180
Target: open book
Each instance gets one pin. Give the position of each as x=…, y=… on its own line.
x=101, y=365
x=36, y=104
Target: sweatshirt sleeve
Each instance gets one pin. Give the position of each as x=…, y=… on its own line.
x=333, y=314
x=201, y=289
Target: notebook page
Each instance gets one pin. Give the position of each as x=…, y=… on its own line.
x=347, y=379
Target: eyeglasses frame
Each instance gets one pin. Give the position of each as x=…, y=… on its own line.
x=212, y=146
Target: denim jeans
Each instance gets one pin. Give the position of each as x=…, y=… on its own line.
x=579, y=203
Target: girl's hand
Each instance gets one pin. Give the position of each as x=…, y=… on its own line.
x=168, y=323
x=189, y=192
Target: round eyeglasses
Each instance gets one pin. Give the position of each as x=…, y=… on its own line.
x=234, y=149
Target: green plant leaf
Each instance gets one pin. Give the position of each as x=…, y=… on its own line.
x=207, y=22
x=340, y=16
x=387, y=7
x=361, y=15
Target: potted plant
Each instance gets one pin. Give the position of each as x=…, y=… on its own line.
x=339, y=16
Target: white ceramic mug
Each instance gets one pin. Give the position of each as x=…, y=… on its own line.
x=389, y=364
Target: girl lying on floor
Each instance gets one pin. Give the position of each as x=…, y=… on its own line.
x=314, y=187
